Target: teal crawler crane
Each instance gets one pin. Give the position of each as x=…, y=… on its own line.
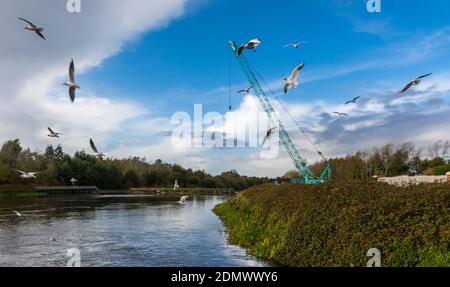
x=300, y=164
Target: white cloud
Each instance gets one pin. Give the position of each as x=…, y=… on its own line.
x=32, y=70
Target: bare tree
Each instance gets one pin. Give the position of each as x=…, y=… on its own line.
x=386, y=154
x=445, y=148
x=435, y=149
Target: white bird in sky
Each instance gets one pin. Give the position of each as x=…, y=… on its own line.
x=268, y=135
x=244, y=90
x=53, y=134
x=414, y=82
x=183, y=200
x=295, y=45
x=251, y=45
x=353, y=101
x=94, y=148
x=340, y=114
x=27, y=175
x=292, y=82
x=31, y=27
x=73, y=86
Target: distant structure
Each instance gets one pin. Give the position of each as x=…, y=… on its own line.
x=176, y=186
x=73, y=181
x=413, y=180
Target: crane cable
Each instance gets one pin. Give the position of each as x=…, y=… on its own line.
x=287, y=112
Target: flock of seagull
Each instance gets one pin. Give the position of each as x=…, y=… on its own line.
x=292, y=81
x=71, y=84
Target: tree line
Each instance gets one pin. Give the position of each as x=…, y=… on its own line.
x=58, y=168
x=390, y=160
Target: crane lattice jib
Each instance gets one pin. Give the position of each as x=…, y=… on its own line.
x=298, y=161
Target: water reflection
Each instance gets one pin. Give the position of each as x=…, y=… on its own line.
x=116, y=230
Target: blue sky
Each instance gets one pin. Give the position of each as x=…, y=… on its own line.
x=134, y=82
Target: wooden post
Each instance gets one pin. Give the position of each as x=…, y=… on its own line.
x=448, y=176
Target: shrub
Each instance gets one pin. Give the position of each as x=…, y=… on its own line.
x=335, y=225
x=441, y=170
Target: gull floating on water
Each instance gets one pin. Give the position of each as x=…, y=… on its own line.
x=94, y=148
x=353, y=101
x=292, y=82
x=183, y=200
x=414, y=82
x=244, y=90
x=251, y=45
x=73, y=86
x=268, y=135
x=340, y=114
x=295, y=45
x=34, y=28
x=27, y=175
x=53, y=134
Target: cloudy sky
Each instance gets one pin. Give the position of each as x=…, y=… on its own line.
x=140, y=62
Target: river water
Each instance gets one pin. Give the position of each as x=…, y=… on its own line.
x=116, y=231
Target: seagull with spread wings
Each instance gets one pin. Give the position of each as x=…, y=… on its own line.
x=415, y=82
x=340, y=114
x=251, y=45
x=292, y=82
x=94, y=148
x=244, y=90
x=27, y=175
x=353, y=101
x=31, y=27
x=295, y=45
x=268, y=135
x=73, y=86
x=53, y=134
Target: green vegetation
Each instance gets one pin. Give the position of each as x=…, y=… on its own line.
x=336, y=224
x=57, y=168
x=441, y=170
x=389, y=160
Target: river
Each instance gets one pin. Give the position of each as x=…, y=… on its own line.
x=112, y=230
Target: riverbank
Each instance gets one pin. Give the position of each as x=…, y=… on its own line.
x=336, y=225
x=30, y=191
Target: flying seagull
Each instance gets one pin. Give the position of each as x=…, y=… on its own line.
x=31, y=27
x=251, y=45
x=94, y=148
x=27, y=175
x=53, y=134
x=292, y=82
x=353, y=101
x=295, y=45
x=414, y=82
x=17, y=213
x=340, y=114
x=244, y=90
x=73, y=86
x=183, y=200
x=268, y=135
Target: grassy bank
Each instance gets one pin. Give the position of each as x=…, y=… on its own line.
x=335, y=225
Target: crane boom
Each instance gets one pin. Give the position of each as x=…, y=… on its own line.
x=299, y=162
